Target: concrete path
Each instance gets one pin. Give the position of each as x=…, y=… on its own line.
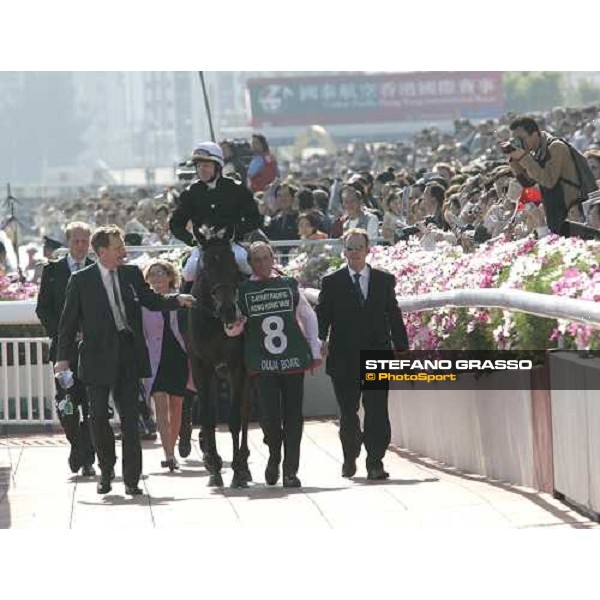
x=37, y=490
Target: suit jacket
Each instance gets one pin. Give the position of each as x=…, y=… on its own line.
x=378, y=325
x=283, y=227
x=51, y=298
x=87, y=309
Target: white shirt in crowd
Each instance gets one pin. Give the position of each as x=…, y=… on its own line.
x=372, y=225
x=73, y=264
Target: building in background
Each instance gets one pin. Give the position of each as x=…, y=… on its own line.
x=140, y=119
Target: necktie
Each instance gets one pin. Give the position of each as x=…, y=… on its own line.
x=77, y=266
x=120, y=312
x=361, y=298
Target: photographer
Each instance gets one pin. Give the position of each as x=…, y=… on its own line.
x=547, y=161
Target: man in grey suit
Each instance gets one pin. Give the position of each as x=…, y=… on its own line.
x=50, y=303
x=103, y=302
x=358, y=310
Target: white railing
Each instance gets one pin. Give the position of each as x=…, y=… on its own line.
x=26, y=382
x=541, y=305
x=151, y=250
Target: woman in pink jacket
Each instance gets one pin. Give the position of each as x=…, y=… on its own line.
x=168, y=359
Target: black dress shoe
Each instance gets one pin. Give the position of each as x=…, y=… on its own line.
x=291, y=481
x=133, y=490
x=349, y=468
x=272, y=471
x=377, y=474
x=104, y=486
x=88, y=471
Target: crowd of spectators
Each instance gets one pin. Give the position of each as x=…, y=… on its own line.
x=437, y=187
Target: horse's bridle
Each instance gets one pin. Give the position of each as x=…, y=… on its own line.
x=214, y=311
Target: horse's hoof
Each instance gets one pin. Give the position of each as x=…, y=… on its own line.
x=185, y=447
x=215, y=480
x=246, y=475
x=239, y=481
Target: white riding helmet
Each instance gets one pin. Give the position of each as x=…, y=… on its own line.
x=208, y=151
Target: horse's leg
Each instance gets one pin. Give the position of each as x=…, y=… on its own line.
x=234, y=428
x=212, y=460
x=185, y=429
x=198, y=377
x=242, y=473
x=245, y=410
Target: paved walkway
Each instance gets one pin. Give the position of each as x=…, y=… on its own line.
x=38, y=491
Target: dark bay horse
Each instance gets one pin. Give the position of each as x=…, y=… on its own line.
x=212, y=351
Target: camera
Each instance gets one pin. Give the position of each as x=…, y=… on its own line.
x=186, y=171
x=513, y=144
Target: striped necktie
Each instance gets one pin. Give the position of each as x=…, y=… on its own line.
x=120, y=312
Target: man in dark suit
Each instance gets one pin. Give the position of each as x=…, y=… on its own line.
x=358, y=310
x=50, y=302
x=103, y=302
x=284, y=224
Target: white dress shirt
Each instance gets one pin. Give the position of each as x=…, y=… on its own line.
x=365, y=274
x=71, y=262
x=108, y=286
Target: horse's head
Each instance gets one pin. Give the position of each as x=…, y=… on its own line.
x=220, y=277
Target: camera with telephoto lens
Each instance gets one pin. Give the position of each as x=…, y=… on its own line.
x=186, y=171
x=512, y=145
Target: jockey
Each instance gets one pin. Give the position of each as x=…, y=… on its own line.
x=216, y=202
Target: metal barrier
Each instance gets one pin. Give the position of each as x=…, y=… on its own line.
x=274, y=243
x=26, y=382
x=180, y=246
x=541, y=305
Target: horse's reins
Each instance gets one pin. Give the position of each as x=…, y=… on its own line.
x=213, y=310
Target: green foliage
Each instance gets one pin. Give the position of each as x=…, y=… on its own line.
x=587, y=93
x=533, y=90
x=534, y=332
x=25, y=331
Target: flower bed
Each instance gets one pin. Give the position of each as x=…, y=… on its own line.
x=553, y=265
x=12, y=289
